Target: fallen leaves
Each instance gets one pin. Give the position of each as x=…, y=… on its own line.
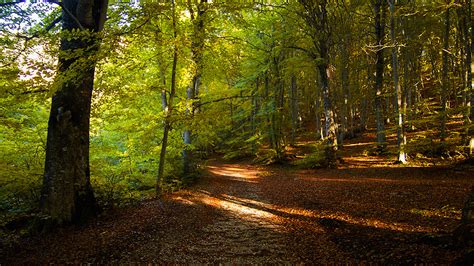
x=245, y=214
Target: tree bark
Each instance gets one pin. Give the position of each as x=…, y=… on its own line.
x=168, y=110
x=401, y=140
x=316, y=17
x=67, y=194
x=254, y=121
x=469, y=101
x=379, y=8
x=444, y=78
x=346, y=106
x=294, y=109
x=197, y=47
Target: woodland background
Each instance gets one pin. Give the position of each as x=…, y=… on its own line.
x=190, y=80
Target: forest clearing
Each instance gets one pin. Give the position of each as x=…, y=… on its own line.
x=236, y=132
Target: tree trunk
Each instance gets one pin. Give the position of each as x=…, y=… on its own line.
x=319, y=128
x=168, y=110
x=346, y=106
x=444, y=78
x=269, y=110
x=187, y=132
x=469, y=101
x=398, y=95
x=471, y=44
x=294, y=110
x=316, y=17
x=277, y=114
x=329, y=123
x=379, y=9
x=67, y=194
x=197, y=47
x=254, y=121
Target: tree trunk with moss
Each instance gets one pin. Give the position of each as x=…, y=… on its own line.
x=192, y=93
x=67, y=194
x=316, y=17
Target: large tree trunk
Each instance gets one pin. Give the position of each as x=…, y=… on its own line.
x=329, y=123
x=379, y=9
x=316, y=17
x=197, y=47
x=67, y=194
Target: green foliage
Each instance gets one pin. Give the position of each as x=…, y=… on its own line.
x=316, y=158
x=425, y=147
x=22, y=139
x=266, y=156
x=249, y=55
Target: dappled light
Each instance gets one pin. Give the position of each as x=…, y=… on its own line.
x=206, y=132
x=250, y=209
x=367, y=144
x=244, y=175
x=350, y=180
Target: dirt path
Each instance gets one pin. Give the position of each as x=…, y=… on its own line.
x=246, y=214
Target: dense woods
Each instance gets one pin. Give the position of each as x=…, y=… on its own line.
x=107, y=104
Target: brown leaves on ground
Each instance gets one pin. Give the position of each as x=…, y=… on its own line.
x=368, y=210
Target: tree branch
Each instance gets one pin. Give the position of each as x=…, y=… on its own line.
x=308, y=52
x=224, y=99
x=61, y=4
x=37, y=33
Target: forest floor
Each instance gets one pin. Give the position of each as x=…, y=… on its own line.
x=367, y=210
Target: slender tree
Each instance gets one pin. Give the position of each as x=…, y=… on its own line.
x=168, y=105
x=379, y=10
x=294, y=109
x=444, y=77
x=401, y=140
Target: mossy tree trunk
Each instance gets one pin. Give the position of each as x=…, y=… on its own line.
x=67, y=194
x=192, y=93
x=315, y=15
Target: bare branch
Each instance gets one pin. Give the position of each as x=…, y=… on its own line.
x=36, y=34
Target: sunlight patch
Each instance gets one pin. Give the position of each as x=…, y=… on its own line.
x=234, y=172
x=244, y=212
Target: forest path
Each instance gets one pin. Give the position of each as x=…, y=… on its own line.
x=368, y=210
